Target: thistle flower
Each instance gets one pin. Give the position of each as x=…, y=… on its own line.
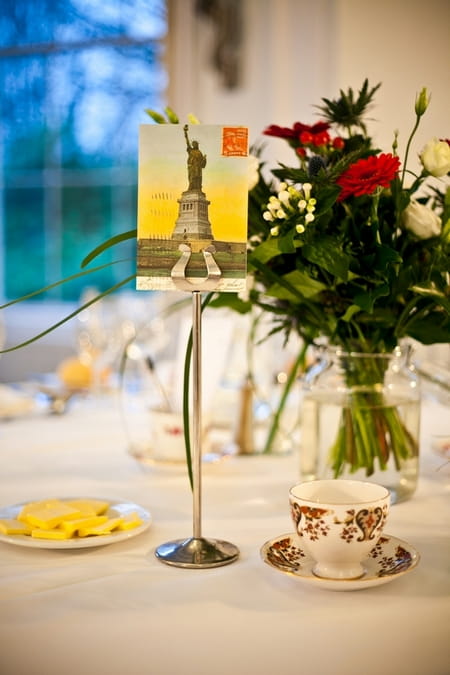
x=315, y=164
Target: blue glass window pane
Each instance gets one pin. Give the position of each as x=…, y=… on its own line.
x=76, y=76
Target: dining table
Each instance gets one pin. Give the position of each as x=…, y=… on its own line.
x=116, y=608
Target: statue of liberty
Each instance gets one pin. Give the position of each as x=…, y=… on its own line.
x=195, y=163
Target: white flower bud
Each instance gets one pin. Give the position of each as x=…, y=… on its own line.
x=307, y=187
x=274, y=231
x=422, y=102
x=283, y=196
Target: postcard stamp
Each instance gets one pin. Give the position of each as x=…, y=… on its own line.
x=235, y=141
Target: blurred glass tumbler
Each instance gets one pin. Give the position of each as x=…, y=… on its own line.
x=339, y=522
x=167, y=437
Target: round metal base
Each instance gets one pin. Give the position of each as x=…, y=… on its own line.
x=197, y=553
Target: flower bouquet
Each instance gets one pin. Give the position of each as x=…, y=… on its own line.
x=350, y=246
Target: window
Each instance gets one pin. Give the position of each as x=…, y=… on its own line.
x=76, y=77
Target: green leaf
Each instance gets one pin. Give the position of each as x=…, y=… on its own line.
x=289, y=173
x=350, y=312
x=366, y=299
x=192, y=119
x=272, y=247
x=171, y=116
x=328, y=196
x=428, y=289
x=156, y=116
x=430, y=330
x=131, y=234
x=295, y=283
x=327, y=253
x=445, y=235
x=384, y=256
x=233, y=301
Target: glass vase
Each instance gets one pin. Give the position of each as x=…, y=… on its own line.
x=361, y=420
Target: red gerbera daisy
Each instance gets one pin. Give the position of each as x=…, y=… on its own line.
x=364, y=176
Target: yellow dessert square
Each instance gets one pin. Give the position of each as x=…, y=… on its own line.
x=129, y=521
x=105, y=528
x=49, y=516
x=31, y=507
x=56, y=533
x=14, y=526
x=89, y=507
x=72, y=526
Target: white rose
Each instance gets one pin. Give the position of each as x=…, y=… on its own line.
x=421, y=221
x=253, y=172
x=435, y=157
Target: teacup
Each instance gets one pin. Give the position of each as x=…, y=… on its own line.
x=340, y=522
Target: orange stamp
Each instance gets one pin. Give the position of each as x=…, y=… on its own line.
x=235, y=141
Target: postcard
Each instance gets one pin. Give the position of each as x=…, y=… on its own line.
x=192, y=207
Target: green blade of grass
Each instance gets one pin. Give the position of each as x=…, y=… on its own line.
x=131, y=234
x=69, y=316
x=64, y=281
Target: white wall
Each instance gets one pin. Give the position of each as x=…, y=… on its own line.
x=404, y=44
x=286, y=64
x=297, y=51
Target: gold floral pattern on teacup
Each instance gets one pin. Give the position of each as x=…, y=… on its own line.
x=314, y=524
x=364, y=524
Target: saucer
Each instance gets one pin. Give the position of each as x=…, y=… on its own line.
x=389, y=559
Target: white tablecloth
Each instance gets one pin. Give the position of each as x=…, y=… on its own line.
x=117, y=609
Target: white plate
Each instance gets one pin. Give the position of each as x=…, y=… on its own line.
x=388, y=560
x=115, y=508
